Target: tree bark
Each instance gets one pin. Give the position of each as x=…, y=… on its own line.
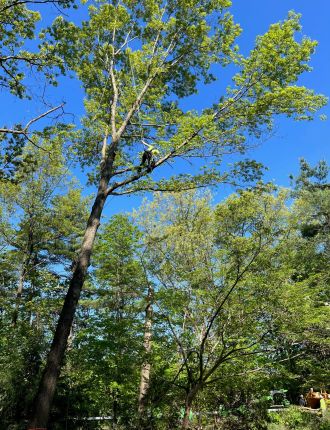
x=44, y=397
x=18, y=295
x=188, y=404
x=23, y=272
x=146, y=366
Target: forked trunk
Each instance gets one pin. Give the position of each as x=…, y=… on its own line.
x=45, y=394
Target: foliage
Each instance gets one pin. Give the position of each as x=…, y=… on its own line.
x=20, y=59
x=136, y=61
x=295, y=418
x=237, y=292
x=223, y=297
x=40, y=224
x=190, y=252
x=147, y=56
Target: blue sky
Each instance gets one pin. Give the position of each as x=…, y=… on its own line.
x=291, y=140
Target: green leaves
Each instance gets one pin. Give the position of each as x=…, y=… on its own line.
x=136, y=61
x=17, y=24
x=278, y=59
x=230, y=283
x=171, y=44
x=227, y=272
x=269, y=73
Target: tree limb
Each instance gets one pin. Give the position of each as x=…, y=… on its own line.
x=25, y=129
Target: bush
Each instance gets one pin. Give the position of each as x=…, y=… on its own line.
x=294, y=418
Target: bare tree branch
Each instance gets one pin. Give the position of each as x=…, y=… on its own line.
x=126, y=42
x=20, y=2
x=35, y=61
x=25, y=129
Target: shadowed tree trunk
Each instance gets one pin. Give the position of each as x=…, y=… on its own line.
x=190, y=397
x=44, y=397
x=19, y=293
x=26, y=261
x=146, y=366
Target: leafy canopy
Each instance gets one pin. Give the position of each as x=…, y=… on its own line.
x=137, y=60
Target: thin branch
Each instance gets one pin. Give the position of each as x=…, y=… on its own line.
x=29, y=60
x=168, y=190
x=126, y=42
x=20, y=2
x=224, y=300
x=257, y=369
x=232, y=358
x=135, y=106
x=121, y=172
x=35, y=144
x=42, y=116
x=25, y=130
x=184, y=355
x=13, y=77
x=175, y=151
x=176, y=338
x=228, y=356
x=153, y=124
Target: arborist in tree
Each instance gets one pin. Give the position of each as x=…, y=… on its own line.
x=148, y=157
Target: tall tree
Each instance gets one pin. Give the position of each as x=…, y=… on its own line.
x=40, y=234
x=309, y=256
x=120, y=273
x=211, y=293
x=224, y=292
x=136, y=61
x=106, y=349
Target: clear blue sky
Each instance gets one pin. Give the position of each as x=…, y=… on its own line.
x=291, y=141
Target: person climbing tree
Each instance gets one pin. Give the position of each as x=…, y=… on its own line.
x=148, y=158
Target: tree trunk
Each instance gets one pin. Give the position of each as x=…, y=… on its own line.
x=146, y=366
x=187, y=409
x=44, y=397
x=115, y=410
x=23, y=272
x=18, y=295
